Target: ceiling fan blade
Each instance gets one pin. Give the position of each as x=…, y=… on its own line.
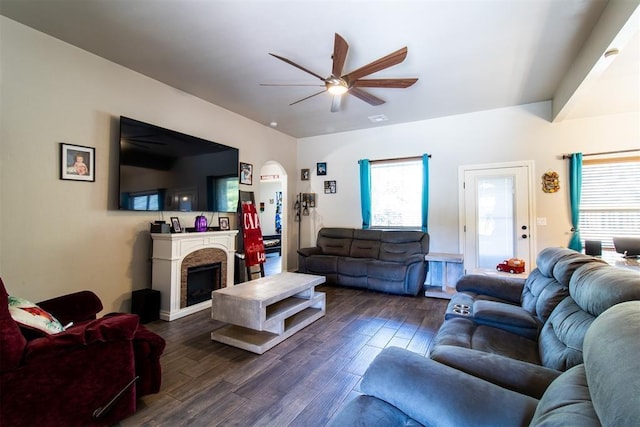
x=365, y=96
x=340, y=49
x=310, y=96
x=335, y=103
x=385, y=62
x=289, y=84
x=288, y=61
x=390, y=83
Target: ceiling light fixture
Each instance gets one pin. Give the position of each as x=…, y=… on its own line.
x=377, y=119
x=336, y=86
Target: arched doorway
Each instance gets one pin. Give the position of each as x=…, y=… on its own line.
x=271, y=200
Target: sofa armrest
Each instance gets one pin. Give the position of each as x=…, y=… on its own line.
x=516, y=375
x=505, y=288
x=414, y=259
x=76, y=307
x=438, y=395
x=120, y=327
x=315, y=250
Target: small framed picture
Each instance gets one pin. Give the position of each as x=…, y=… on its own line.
x=224, y=223
x=304, y=174
x=77, y=163
x=309, y=199
x=321, y=168
x=246, y=173
x=330, y=187
x=175, y=225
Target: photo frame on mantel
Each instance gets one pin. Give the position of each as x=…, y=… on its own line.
x=224, y=223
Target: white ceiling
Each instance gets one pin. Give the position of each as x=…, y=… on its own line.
x=469, y=55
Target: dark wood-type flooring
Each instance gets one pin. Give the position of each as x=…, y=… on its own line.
x=301, y=382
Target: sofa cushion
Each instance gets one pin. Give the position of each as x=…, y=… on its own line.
x=466, y=333
x=335, y=241
x=368, y=411
x=356, y=267
x=418, y=387
x=542, y=294
x=560, y=341
x=567, y=402
x=352, y=272
x=597, y=287
x=390, y=271
x=398, y=245
x=611, y=349
x=510, y=317
x=603, y=390
x=322, y=264
x=593, y=288
x=366, y=244
x=548, y=284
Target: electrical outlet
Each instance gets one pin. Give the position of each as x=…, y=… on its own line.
x=541, y=220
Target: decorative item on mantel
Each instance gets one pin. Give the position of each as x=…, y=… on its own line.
x=201, y=223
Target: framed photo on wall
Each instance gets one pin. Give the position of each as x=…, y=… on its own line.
x=77, y=163
x=304, y=174
x=224, y=223
x=330, y=187
x=321, y=168
x=246, y=173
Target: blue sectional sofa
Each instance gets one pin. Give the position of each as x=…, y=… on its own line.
x=582, y=367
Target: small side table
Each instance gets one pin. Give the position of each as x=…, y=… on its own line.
x=444, y=272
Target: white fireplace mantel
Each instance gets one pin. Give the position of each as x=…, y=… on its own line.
x=168, y=252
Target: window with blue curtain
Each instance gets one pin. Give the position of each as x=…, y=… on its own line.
x=395, y=193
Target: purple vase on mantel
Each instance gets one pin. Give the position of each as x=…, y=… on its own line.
x=201, y=223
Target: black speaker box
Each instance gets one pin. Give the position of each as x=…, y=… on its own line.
x=160, y=227
x=146, y=304
x=593, y=247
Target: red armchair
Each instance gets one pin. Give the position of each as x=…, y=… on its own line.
x=89, y=375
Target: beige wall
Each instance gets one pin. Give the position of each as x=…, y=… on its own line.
x=61, y=236
x=502, y=135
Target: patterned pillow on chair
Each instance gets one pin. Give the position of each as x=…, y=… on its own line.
x=30, y=315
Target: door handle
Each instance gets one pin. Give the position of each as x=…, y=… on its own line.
x=524, y=236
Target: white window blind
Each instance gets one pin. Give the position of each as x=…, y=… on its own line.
x=396, y=194
x=610, y=201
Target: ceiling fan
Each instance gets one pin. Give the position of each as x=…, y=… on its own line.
x=352, y=83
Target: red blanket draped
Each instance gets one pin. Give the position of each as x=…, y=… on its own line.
x=252, y=235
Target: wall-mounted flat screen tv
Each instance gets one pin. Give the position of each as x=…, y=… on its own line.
x=165, y=170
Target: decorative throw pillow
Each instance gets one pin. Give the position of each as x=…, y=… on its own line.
x=30, y=315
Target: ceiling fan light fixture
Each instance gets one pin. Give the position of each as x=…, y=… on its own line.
x=337, y=87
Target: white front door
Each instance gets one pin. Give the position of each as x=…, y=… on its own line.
x=496, y=215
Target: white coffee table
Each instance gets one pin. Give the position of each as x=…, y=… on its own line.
x=264, y=312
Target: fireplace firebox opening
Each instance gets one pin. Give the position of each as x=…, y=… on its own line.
x=201, y=281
